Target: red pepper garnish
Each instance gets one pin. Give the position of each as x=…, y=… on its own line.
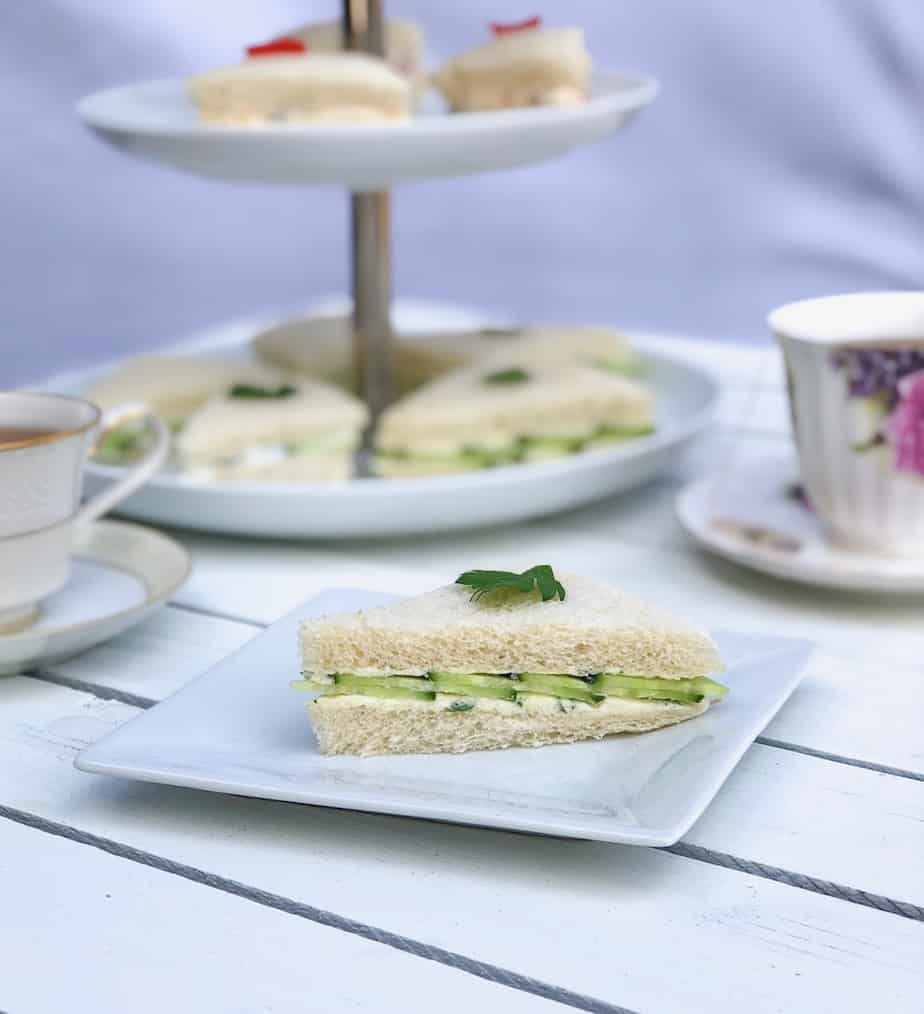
x=286, y=44
x=500, y=28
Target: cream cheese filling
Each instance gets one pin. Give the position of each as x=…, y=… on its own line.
x=272, y=452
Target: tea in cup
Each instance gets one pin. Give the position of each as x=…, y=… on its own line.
x=44, y=443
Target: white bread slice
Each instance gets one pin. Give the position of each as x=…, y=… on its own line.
x=325, y=467
x=321, y=346
x=560, y=400
x=584, y=344
x=404, y=42
x=537, y=67
x=597, y=628
x=173, y=386
x=366, y=726
x=322, y=417
x=346, y=87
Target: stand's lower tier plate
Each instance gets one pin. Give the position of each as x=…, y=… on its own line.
x=686, y=398
x=156, y=120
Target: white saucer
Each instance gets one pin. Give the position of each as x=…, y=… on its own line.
x=156, y=120
x=121, y=573
x=749, y=515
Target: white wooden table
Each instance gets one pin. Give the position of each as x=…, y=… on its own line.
x=799, y=890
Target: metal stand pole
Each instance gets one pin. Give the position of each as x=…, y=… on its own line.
x=364, y=29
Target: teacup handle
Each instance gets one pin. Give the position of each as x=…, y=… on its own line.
x=138, y=473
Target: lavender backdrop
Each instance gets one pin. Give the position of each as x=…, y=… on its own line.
x=783, y=159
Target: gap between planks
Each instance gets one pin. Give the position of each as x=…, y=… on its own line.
x=483, y=970
x=854, y=762
x=217, y=615
x=697, y=853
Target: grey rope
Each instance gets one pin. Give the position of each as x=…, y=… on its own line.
x=98, y=691
x=854, y=762
x=462, y=963
x=826, y=887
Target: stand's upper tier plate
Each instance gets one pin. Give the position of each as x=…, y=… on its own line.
x=156, y=120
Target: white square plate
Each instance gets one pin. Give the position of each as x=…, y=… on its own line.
x=239, y=728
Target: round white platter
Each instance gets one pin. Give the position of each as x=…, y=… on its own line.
x=120, y=574
x=156, y=120
x=749, y=515
x=686, y=398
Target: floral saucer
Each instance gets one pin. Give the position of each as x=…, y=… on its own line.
x=754, y=514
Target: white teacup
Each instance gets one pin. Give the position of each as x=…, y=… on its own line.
x=44, y=443
x=855, y=371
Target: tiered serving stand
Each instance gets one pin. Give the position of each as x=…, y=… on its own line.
x=156, y=121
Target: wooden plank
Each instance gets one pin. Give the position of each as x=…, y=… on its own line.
x=509, y=899
x=647, y=516
x=761, y=410
x=735, y=365
x=836, y=822
x=109, y=935
x=262, y=581
x=156, y=658
x=855, y=704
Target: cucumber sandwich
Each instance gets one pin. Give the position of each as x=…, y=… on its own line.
x=509, y=410
x=499, y=659
x=288, y=431
x=173, y=386
x=236, y=420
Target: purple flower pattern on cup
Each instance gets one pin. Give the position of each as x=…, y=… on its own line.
x=893, y=381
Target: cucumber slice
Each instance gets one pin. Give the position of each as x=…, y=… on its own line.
x=468, y=458
x=561, y=445
x=569, y=688
x=677, y=696
x=360, y=684
x=613, y=434
x=450, y=683
x=474, y=679
x=697, y=685
x=391, y=693
x=708, y=687
x=539, y=680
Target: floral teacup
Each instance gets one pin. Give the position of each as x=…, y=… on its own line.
x=855, y=369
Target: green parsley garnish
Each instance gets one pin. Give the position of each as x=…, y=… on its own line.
x=255, y=391
x=540, y=577
x=512, y=376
